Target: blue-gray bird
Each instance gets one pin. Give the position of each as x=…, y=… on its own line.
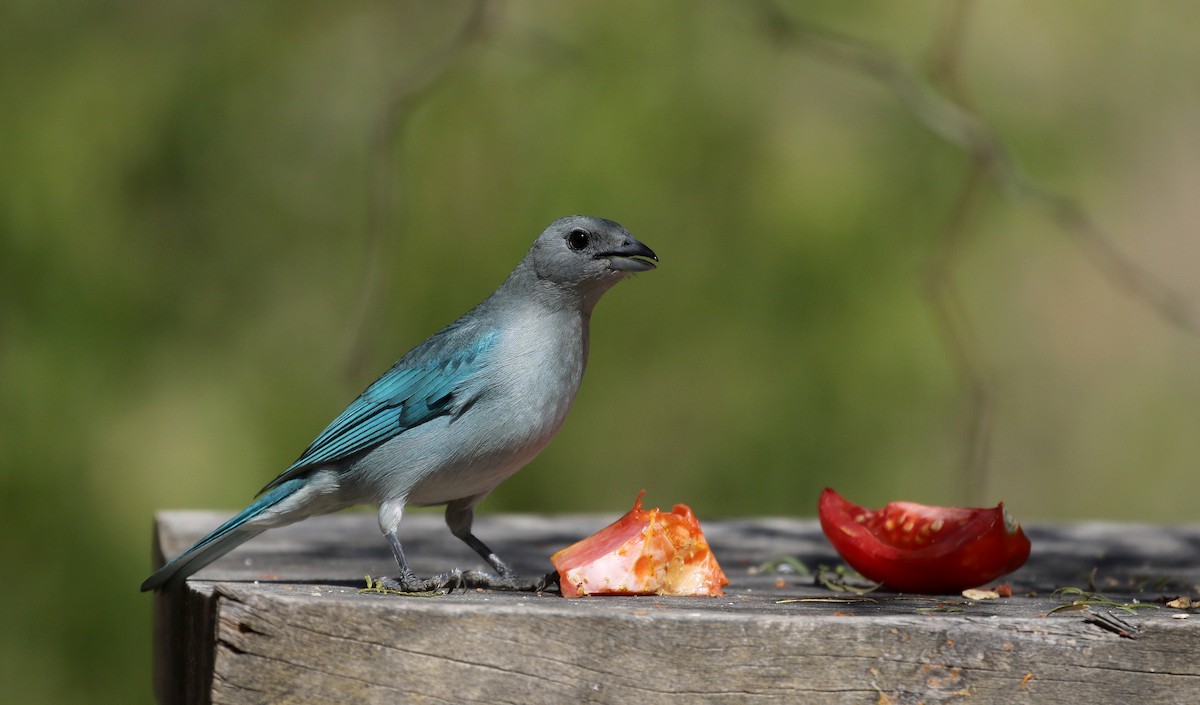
x=458, y=414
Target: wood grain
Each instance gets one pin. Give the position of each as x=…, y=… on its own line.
x=281, y=620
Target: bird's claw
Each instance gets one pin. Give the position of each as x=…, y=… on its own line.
x=510, y=581
x=411, y=585
x=446, y=583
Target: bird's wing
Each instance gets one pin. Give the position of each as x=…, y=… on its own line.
x=422, y=386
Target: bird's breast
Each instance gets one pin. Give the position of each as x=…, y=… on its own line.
x=515, y=405
x=536, y=374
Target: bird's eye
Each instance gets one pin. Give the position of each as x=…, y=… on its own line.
x=577, y=239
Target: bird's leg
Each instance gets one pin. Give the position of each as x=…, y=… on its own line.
x=460, y=515
x=407, y=581
x=507, y=578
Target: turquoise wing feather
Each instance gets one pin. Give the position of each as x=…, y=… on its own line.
x=418, y=388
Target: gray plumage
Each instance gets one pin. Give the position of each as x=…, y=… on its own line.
x=458, y=414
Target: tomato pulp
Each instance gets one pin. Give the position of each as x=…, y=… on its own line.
x=645, y=552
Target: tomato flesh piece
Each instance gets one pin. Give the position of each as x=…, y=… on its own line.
x=645, y=552
x=913, y=547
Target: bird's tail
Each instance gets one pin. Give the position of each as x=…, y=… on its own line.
x=222, y=540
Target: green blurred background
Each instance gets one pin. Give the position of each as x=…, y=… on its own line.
x=184, y=218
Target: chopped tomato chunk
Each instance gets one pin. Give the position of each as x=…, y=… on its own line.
x=921, y=548
x=644, y=552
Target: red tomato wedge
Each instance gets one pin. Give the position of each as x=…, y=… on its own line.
x=645, y=552
x=912, y=547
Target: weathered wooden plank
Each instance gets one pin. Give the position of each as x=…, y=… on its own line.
x=304, y=633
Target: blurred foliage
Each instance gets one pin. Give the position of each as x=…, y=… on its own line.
x=183, y=209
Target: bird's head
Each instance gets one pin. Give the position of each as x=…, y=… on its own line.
x=588, y=254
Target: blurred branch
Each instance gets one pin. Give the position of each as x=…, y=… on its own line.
x=943, y=106
x=937, y=113
x=407, y=93
x=954, y=323
x=1108, y=258
x=946, y=53
x=945, y=296
x=946, y=113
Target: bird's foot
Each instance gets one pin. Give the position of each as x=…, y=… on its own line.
x=409, y=584
x=510, y=581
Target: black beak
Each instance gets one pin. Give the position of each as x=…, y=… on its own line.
x=632, y=256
